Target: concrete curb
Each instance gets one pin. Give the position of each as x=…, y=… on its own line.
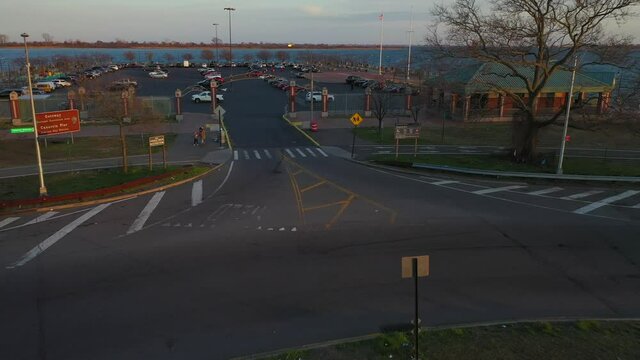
x=226, y=134
x=285, y=118
x=113, y=198
x=328, y=343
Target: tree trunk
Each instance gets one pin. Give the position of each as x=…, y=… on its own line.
x=123, y=144
x=525, y=139
x=380, y=129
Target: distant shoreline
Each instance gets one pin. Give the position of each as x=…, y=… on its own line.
x=203, y=47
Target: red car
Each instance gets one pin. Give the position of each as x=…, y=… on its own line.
x=255, y=73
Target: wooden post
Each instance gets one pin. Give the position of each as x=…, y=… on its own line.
x=164, y=155
x=415, y=149
x=150, y=159
x=397, y=145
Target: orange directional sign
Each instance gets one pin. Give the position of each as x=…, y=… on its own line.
x=58, y=122
x=356, y=119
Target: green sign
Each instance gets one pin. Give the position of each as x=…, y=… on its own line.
x=22, y=130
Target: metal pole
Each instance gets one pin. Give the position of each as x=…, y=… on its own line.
x=410, y=39
x=353, y=144
x=216, y=41
x=230, y=9
x=566, y=119
x=43, y=188
x=312, y=95
x=416, y=319
x=381, y=37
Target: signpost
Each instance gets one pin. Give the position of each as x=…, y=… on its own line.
x=407, y=131
x=221, y=111
x=415, y=267
x=58, y=122
x=157, y=141
x=356, y=119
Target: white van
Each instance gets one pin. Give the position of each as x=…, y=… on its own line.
x=46, y=86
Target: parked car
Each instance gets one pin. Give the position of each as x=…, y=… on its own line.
x=205, y=96
x=316, y=96
x=157, y=74
x=61, y=83
x=36, y=91
x=352, y=78
x=5, y=92
x=46, y=86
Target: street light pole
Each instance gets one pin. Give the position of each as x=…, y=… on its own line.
x=410, y=39
x=43, y=188
x=566, y=119
x=216, y=40
x=230, y=9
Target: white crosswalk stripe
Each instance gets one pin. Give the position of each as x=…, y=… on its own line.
x=445, y=182
x=581, y=195
x=498, y=189
x=257, y=154
x=235, y=154
x=290, y=153
x=139, y=222
x=603, y=202
x=636, y=206
x=266, y=152
x=545, y=191
x=301, y=153
x=246, y=154
x=322, y=152
x=8, y=221
x=270, y=154
x=41, y=218
x=311, y=152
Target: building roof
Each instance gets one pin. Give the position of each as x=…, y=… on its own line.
x=496, y=77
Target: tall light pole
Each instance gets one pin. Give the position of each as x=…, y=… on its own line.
x=381, y=17
x=566, y=119
x=410, y=38
x=230, y=9
x=216, y=41
x=43, y=188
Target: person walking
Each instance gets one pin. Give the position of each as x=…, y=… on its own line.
x=195, y=138
x=203, y=134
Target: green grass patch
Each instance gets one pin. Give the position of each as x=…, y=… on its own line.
x=527, y=341
x=26, y=187
x=579, y=166
x=22, y=152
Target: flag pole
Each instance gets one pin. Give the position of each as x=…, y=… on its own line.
x=381, y=37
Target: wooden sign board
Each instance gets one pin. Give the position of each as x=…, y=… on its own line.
x=156, y=140
x=407, y=131
x=407, y=266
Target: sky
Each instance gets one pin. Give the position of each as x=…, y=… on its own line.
x=281, y=21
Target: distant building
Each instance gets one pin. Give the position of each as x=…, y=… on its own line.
x=480, y=92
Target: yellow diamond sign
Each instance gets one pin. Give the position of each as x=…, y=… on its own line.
x=356, y=119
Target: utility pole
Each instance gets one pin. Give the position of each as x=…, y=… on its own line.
x=410, y=39
x=43, y=188
x=381, y=37
x=566, y=119
x=216, y=41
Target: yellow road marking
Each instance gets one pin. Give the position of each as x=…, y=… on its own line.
x=301, y=131
x=342, y=209
x=296, y=193
x=313, y=186
x=317, y=207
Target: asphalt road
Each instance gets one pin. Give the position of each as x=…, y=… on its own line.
x=301, y=246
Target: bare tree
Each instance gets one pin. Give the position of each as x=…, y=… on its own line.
x=264, y=55
x=48, y=38
x=226, y=54
x=169, y=57
x=247, y=57
x=282, y=55
x=531, y=39
x=4, y=39
x=187, y=56
x=206, y=55
x=129, y=55
x=380, y=103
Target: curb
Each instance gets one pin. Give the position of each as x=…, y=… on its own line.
x=114, y=198
x=285, y=118
x=328, y=343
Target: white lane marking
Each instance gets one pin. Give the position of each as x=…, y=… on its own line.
x=498, y=189
x=223, y=181
x=322, y=152
x=8, y=221
x=301, y=153
x=603, y=202
x=257, y=154
x=48, y=242
x=266, y=152
x=246, y=154
x=445, y=182
x=545, y=191
x=196, y=193
x=290, y=153
x=311, y=152
x=581, y=195
x=636, y=206
x=142, y=218
x=42, y=217
x=235, y=154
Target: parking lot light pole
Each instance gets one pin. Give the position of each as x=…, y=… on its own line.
x=43, y=188
x=216, y=41
x=230, y=9
x=563, y=144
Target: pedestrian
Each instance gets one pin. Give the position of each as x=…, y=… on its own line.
x=203, y=134
x=195, y=138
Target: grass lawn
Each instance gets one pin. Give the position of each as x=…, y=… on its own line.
x=582, y=166
x=21, y=152
x=583, y=340
x=604, y=136
x=70, y=182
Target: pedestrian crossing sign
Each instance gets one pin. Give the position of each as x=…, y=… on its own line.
x=356, y=119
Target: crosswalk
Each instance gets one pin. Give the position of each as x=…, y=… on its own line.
x=278, y=153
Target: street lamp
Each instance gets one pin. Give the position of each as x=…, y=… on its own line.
x=566, y=119
x=43, y=188
x=216, y=40
x=230, y=9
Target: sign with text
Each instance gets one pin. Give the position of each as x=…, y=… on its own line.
x=407, y=131
x=156, y=140
x=58, y=122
